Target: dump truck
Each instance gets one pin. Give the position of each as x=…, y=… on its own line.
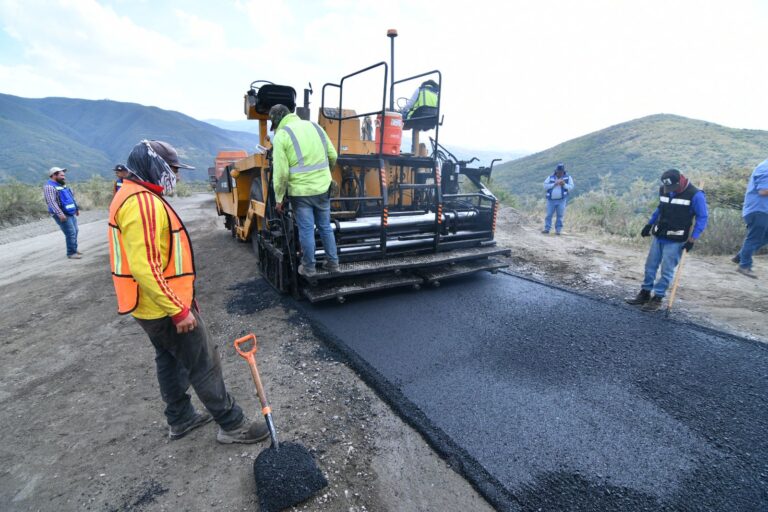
x=399, y=218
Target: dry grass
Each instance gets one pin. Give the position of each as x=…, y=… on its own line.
x=606, y=211
x=20, y=202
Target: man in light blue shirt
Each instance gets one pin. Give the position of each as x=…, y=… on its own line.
x=557, y=187
x=755, y=213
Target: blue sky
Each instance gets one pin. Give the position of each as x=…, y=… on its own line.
x=523, y=75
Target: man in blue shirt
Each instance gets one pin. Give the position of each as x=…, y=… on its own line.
x=673, y=228
x=755, y=213
x=63, y=208
x=557, y=187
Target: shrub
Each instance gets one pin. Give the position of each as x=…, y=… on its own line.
x=624, y=213
x=95, y=193
x=20, y=202
x=724, y=234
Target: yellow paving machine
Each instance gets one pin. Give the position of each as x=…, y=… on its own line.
x=399, y=218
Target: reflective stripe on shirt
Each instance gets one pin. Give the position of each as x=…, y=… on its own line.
x=300, y=167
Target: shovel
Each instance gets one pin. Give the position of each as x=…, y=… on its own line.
x=675, y=283
x=286, y=474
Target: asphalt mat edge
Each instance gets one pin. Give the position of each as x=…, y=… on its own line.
x=457, y=457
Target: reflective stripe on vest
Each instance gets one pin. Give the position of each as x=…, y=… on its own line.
x=66, y=200
x=675, y=200
x=300, y=167
x=179, y=272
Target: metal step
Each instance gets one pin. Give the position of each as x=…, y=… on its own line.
x=433, y=275
x=406, y=262
x=340, y=289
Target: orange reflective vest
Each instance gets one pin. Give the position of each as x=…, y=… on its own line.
x=177, y=277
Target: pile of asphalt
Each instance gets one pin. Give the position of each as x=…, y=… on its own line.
x=286, y=477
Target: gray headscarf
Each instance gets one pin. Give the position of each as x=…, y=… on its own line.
x=147, y=165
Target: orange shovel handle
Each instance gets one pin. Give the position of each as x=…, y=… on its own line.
x=246, y=354
x=250, y=357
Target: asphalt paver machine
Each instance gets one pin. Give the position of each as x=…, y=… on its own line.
x=399, y=218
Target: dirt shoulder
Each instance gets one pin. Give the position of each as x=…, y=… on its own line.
x=710, y=292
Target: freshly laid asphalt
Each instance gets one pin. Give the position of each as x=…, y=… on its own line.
x=549, y=400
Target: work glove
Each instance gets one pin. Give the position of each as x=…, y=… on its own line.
x=646, y=230
x=688, y=246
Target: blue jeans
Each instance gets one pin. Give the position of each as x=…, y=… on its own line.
x=757, y=236
x=190, y=359
x=667, y=255
x=311, y=211
x=555, y=205
x=70, y=229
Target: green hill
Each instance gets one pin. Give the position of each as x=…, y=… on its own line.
x=642, y=148
x=90, y=137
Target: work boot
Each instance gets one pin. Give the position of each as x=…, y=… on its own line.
x=331, y=266
x=747, y=272
x=652, y=305
x=197, y=420
x=307, y=271
x=545, y=231
x=75, y=256
x=641, y=298
x=736, y=259
x=246, y=433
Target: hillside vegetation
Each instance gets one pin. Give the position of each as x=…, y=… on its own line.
x=638, y=149
x=90, y=137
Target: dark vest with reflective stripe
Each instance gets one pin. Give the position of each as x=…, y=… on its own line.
x=675, y=215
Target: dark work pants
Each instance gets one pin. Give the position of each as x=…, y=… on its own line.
x=190, y=358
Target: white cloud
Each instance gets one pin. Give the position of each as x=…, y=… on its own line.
x=519, y=74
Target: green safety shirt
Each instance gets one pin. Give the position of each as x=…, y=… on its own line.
x=302, y=159
x=427, y=98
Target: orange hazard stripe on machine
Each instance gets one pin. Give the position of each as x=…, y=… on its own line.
x=495, y=214
x=440, y=213
x=385, y=216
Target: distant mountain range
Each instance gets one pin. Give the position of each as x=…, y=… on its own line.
x=642, y=148
x=90, y=137
x=462, y=153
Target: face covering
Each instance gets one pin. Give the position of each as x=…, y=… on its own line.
x=148, y=166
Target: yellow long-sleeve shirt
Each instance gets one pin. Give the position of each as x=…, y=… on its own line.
x=145, y=228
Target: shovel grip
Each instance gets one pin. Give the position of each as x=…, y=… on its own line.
x=250, y=357
x=246, y=354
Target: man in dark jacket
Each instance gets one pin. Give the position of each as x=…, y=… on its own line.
x=557, y=187
x=673, y=229
x=63, y=208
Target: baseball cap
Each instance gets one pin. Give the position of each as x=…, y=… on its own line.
x=560, y=167
x=168, y=153
x=670, y=179
x=54, y=170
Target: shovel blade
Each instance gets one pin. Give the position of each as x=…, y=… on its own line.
x=286, y=477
